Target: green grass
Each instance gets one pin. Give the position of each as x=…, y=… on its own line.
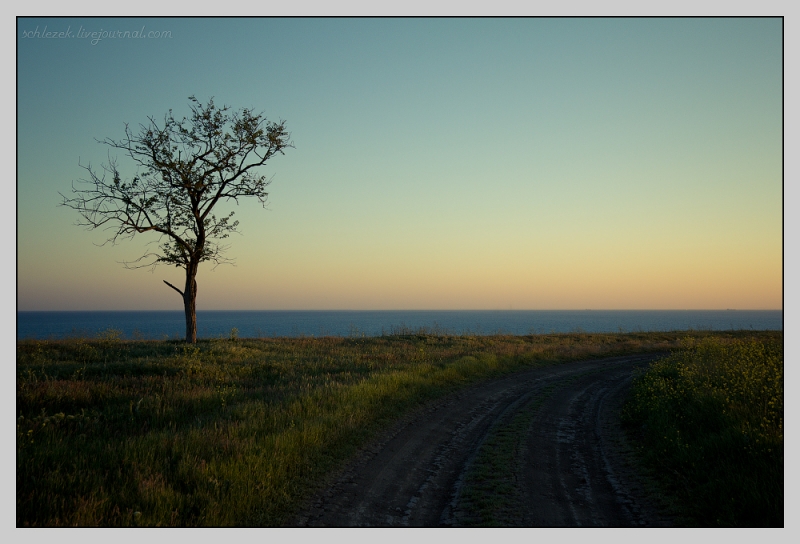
x=709, y=424
x=234, y=432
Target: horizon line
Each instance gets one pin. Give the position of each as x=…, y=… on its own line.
x=443, y=310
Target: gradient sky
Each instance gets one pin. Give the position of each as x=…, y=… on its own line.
x=439, y=163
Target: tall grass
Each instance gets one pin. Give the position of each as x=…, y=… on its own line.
x=709, y=420
x=233, y=432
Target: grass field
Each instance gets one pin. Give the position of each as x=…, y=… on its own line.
x=709, y=424
x=233, y=432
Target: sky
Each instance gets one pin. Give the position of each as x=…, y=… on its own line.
x=525, y=163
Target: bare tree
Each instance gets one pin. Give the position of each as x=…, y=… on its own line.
x=184, y=169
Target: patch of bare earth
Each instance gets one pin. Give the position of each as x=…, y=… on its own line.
x=572, y=465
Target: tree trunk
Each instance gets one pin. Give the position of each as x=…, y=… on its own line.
x=189, y=299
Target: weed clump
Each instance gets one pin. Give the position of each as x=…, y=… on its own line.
x=709, y=422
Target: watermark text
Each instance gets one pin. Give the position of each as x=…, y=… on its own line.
x=95, y=37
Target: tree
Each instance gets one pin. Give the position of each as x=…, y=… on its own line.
x=184, y=169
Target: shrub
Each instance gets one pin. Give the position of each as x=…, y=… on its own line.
x=709, y=421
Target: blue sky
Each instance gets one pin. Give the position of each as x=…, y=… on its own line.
x=438, y=164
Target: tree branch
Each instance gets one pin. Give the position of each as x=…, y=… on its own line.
x=178, y=290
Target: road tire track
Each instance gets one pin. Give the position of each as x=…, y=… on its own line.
x=572, y=468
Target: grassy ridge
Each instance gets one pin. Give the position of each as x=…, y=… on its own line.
x=709, y=421
x=233, y=432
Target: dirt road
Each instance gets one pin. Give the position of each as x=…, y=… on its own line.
x=539, y=448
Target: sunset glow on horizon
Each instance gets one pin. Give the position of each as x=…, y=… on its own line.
x=534, y=163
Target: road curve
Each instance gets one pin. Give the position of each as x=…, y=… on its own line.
x=570, y=469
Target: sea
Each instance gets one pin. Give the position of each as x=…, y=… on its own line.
x=161, y=325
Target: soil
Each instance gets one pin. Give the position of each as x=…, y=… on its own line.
x=572, y=465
